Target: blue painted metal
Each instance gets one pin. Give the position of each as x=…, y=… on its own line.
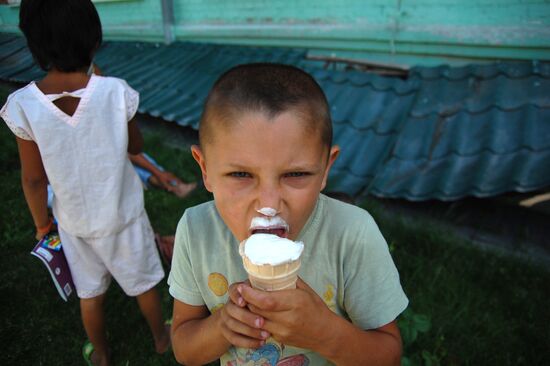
x=367, y=112
x=442, y=133
x=174, y=79
x=477, y=130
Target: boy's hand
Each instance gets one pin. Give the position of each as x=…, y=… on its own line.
x=294, y=317
x=238, y=324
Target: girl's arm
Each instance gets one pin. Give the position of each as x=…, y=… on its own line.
x=135, y=140
x=34, y=182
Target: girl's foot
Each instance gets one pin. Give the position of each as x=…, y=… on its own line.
x=93, y=358
x=162, y=344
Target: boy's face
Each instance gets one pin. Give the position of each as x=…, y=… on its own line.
x=265, y=175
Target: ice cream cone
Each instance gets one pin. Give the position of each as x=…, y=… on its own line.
x=271, y=277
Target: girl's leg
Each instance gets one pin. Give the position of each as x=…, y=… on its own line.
x=149, y=304
x=93, y=319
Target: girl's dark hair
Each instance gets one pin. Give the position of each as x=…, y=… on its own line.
x=61, y=34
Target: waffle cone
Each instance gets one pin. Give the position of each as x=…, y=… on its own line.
x=272, y=277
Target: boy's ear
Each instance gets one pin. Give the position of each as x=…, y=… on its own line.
x=333, y=154
x=198, y=155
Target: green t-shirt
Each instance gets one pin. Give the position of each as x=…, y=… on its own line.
x=345, y=260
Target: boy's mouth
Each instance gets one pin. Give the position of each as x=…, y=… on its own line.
x=269, y=225
x=280, y=232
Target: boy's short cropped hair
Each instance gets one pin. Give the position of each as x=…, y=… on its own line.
x=61, y=34
x=270, y=89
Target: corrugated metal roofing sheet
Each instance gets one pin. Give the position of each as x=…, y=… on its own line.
x=367, y=112
x=476, y=130
x=442, y=133
x=174, y=80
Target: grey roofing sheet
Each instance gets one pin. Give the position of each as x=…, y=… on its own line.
x=442, y=133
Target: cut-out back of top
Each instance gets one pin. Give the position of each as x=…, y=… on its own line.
x=67, y=102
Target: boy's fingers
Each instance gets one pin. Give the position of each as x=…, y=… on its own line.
x=244, y=316
x=234, y=326
x=269, y=301
x=263, y=313
x=239, y=340
x=235, y=295
x=273, y=328
x=242, y=321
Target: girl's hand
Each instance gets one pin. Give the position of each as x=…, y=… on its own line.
x=39, y=235
x=238, y=324
x=297, y=317
x=44, y=230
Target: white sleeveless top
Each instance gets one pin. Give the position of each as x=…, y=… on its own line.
x=97, y=192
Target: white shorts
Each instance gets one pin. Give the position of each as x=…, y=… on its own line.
x=130, y=256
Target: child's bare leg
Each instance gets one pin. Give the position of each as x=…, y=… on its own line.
x=93, y=319
x=149, y=304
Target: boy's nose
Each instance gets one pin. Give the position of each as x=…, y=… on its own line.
x=269, y=197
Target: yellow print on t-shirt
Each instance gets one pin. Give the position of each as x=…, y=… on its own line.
x=328, y=297
x=217, y=283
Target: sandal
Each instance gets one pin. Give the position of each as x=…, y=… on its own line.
x=87, y=350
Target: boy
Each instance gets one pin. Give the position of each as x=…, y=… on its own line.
x=265, y=153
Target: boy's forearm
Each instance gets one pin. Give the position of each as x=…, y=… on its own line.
x=349, y=345
x=200, y=341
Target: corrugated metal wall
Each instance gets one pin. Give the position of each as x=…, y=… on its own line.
x=414, y=32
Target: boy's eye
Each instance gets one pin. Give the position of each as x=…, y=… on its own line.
x=296, y=174
x=239, y=174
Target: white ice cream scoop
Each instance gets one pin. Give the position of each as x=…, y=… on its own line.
x=271, y=249
x=272, y=262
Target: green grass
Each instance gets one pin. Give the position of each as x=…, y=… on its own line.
x=484, y=309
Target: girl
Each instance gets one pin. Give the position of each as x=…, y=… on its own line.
x=74, y=129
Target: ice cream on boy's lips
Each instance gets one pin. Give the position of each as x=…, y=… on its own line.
x=269, y=223
x=271, y=262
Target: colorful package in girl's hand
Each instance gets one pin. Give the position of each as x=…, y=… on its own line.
x=51, y=241
x=49, y=250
